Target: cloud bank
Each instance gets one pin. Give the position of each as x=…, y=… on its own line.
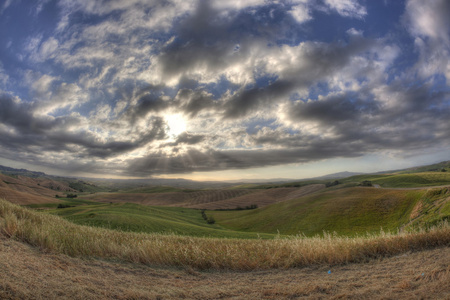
x=96, y=86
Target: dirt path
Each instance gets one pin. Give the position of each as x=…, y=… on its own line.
x=27, y=273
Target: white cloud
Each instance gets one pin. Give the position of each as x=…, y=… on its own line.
x=48, y=48
x=5, y=5
x=301, y=12
x=429, y=19
x=353, y=32
x=347, y=8
x=3, y=76
x=429, y=23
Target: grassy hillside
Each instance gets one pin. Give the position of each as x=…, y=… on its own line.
x=139, y=218
x=55, y=234
x=155, y=189
x=346, y=211
x=423, y=179
x=444, y=165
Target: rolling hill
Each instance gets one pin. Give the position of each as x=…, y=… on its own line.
x=348, y=211
x=137, y=218
x=400, y=180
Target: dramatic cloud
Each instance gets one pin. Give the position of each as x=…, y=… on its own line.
x=147, y=88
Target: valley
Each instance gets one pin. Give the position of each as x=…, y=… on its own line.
x=299, y=228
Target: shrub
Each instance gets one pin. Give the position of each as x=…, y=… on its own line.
x=366, y=183
x=332, y=183
x=63, y=206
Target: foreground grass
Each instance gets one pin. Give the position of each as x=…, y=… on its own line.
x=417, y=275
x=58, y=235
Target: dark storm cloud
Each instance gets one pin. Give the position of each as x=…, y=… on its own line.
x=319, y=61
x=212, y=160
x=19, y=115
x=412, y=123
x=347, y=107
x=51, y=134
x=188, y=139
x=14, y=114
x=208, y=37
x=146, y=104
x=194, y=101
x=248, y=100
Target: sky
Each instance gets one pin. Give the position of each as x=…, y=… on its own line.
x=223, y=89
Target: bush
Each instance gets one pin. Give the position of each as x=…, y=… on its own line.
x=63, y=206
x=71, y=196
x=332, y=183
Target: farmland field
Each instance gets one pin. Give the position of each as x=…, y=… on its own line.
x=138, y=218
x=405, y=180
x=347, y=211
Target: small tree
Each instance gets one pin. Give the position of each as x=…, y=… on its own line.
x=366, y=183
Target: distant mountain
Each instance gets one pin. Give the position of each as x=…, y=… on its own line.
x=428, y=168
x=424, y=168
x=85, y=184
x=271, y=180
x=339, y=175
x=11, y=171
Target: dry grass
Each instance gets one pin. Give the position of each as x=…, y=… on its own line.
x=59, y=236
x=210, y=199
x=24, y=190
x=261, y=198
x=27, y=273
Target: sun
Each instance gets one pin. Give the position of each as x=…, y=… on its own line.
x=176, y=124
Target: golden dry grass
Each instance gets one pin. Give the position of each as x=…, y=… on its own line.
x=28, y=273
x=24, y=190
x=59, y=236
x=261, y=198
x=210, y=199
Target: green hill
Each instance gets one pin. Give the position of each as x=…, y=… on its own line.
x=148, y=219
x=347, y=211
x=423, y=179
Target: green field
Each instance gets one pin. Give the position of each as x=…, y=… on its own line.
x=148, y=219
x=423, y=179
x=344, y=208
x=348, y=211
